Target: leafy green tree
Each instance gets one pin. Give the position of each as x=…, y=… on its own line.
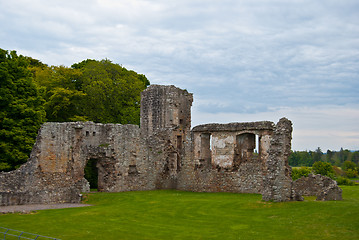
x=300, y=158
x=60, y=87
x=355, y=157
x=351, y=173
x=350, y=168
x=91, y=90
x=317, y=155
x=300, y=172
x=349, y=165
x=112, y=93
x=293, y=159
x=63, y=105
x=21, y=110
x=329, y=156
x=323, y=168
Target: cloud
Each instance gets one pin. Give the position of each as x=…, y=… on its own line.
x=327, y=127
x=239, y=58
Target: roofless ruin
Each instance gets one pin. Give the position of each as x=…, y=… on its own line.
x=164, y=153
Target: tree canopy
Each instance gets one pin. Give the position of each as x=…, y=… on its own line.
x=91, y=90
x=21, y=110
x=32, y=92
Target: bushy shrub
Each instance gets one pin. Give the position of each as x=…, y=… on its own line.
x=300, y=172
x=351, y=173
x=338, y=171
x=347, y=165
x=344, y=181
x=323, y=168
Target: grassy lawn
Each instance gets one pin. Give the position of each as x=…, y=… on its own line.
x=170, y=214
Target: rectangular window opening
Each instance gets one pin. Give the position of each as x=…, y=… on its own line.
x=256, y=150
x=206, y=152
x=179, y=142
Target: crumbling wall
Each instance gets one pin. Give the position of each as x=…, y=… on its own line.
x=163, y=153
x=55, y=170
x=222, y=157
x=277, y=181
x=128, y=158
x=165, y=125
x=33, y=183
x=324, y=188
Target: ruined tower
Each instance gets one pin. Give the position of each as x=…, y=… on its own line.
x=166, y=124
x=165, y=107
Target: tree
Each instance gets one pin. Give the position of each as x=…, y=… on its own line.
x=355, y=157
x=63, y=105
x=60, y=87
x=329, y=156
x=112, y=93
x=306, y=159
x=21, y=110
x=91, y=90
x=349, y=165
x=300, y=172
x=317, y=155
x=293, y=159
x=350, y=169
x=351, y=173
x=323, y=168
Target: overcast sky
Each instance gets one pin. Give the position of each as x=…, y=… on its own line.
x=243, y=60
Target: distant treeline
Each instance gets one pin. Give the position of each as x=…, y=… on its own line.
x=335, y=158
x=32, y=92
x=341, y=166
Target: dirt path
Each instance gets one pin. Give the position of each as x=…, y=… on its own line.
x=34, y=207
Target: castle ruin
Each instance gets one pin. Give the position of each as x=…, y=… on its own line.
x=164, y=153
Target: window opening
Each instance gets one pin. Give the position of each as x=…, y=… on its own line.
x=179, y=142
x=179, y=148
x=256, y=150
x=132, y=169
x=206, y=153
x=245, y=146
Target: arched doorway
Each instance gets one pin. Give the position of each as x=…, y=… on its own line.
x=91, y=173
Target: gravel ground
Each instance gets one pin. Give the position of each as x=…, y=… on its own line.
x=34, y=207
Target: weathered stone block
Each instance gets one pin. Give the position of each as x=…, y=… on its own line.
x=323, y=187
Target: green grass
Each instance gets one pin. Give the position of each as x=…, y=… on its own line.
x=170, y=214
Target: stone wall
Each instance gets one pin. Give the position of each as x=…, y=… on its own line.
x=277, y=181
x=222, y=157
x=166, y=125
x=128, y=158
x=324, y=188
x=163, y=153
x=55, y=170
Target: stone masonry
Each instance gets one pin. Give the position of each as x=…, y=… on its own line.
x=323, y=187
x=164, y=153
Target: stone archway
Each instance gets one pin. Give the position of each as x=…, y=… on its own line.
x=91, y=173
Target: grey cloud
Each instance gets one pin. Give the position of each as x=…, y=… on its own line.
x=236, y=56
